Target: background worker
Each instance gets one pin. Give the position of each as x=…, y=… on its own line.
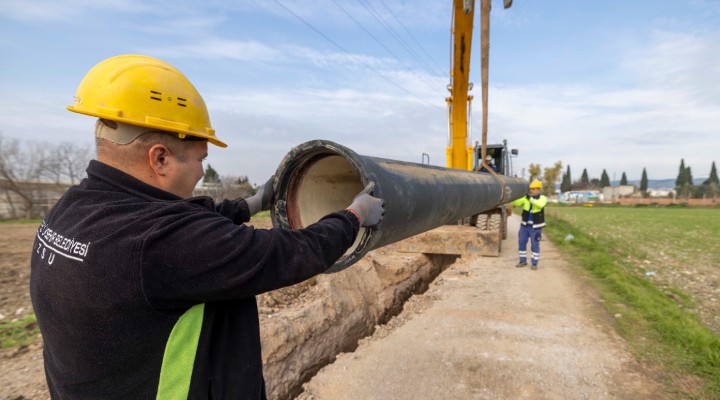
x=490, y=163
x=141, y=291
x=533, y=220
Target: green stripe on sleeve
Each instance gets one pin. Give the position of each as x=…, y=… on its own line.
x=179, y=358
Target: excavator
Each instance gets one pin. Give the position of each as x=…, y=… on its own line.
x=482, y=233
x=493, y=158
x=459, y=154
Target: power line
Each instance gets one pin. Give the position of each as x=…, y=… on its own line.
x=365, y=29
x=394, y=34
x=309, y=25
x=430, y=84
x=413, y=38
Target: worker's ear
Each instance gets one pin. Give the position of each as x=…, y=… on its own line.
x=159, y=159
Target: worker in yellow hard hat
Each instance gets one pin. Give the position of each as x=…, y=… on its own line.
x=143, y=291
x=533, y=220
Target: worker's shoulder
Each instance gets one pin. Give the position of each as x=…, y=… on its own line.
x=118, y=209
x=542, y=201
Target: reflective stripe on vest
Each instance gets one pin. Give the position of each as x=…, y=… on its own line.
x=179, y=358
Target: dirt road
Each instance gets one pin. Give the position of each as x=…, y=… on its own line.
x=487, y=330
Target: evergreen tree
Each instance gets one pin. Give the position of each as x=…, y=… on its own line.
x=713, y=176
x=644, y=183
x=623, y=180
x=684, y=181
x=711, y=186
x=584, y=180
x=211, y=176
x=566, y=184
x=604, y=179
x=681, y=180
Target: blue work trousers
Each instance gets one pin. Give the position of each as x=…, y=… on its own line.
x=528, y=232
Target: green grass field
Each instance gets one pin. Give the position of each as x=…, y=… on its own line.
x=22, y=221
x=618, y=247
x=19, y=333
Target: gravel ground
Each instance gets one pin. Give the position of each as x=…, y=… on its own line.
x=487, y=330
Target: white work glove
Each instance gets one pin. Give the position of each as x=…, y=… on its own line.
x=368, y=209
x=262, y=199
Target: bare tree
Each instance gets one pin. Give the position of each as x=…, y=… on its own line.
x=71, y=160
x=33, y=175
x=17, y=169
x=551, y=176
x=65, y=162
x=535, y=171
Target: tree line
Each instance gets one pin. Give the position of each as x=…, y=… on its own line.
x=62, y=162
x=587, y=183
x=33, y=175
x=684, y=184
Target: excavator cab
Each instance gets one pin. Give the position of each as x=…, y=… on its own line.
x=501, y=157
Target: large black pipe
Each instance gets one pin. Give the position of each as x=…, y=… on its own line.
x=319, y=177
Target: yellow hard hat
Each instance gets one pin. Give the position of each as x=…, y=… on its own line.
x=536, y=184
x=144, y=91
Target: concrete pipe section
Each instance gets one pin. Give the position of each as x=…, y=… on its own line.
x=319, y=177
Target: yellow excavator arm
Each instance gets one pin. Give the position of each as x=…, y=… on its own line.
x=459, y=151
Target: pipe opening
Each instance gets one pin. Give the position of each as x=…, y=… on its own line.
x=325, y=183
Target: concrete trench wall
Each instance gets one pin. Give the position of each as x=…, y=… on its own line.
x=331, y=313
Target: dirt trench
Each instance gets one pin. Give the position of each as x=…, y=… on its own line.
x=306, y=326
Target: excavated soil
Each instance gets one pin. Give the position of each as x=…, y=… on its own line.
x=406, y=326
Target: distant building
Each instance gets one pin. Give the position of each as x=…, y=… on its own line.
x=580, y=196
x=613, y=193
x=661, y=193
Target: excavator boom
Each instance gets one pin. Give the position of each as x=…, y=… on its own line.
x=458, y=102
x=459, y=152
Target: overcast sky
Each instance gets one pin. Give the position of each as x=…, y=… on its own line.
x=617, y=85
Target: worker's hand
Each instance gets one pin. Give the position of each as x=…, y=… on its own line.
x=369, y=209
x=262, y=199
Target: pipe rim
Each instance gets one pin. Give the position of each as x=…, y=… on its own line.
x=295, y=190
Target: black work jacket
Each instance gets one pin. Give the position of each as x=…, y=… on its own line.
x=140, y=294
